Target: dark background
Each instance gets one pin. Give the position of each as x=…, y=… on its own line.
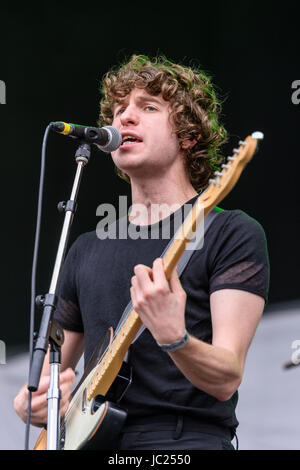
x=52, y=59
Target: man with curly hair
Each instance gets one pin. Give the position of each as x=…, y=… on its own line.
x=188, y=363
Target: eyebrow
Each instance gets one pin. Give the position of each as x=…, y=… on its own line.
x=141, y=99
x=144, y=98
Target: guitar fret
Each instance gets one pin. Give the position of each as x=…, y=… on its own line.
x=109, y=356
x=128, y=322
x=121, y=335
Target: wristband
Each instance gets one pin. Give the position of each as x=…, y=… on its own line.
x=177, y=344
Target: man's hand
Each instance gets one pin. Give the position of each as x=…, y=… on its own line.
x=159, y=303
x=39, y=404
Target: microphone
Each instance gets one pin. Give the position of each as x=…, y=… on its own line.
x=107, y=138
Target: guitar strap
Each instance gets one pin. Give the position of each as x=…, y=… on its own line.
x=182, y=263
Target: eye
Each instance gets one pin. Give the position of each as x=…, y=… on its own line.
x=119, y=111
x=151, y=108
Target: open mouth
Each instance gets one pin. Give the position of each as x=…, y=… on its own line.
x=129, y=140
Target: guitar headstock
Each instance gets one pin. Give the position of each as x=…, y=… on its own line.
x=225, y=180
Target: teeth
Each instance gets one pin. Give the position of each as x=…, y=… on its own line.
x=129, y=138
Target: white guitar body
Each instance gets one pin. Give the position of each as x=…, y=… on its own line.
x=82, y=420
x=84, y=417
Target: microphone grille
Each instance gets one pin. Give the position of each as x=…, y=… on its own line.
x=114, y=142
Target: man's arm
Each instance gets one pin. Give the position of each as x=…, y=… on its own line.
x=215, y=368
x=71, y=352
x=218, y=368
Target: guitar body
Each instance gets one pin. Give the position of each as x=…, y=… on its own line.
x=95, y=423
x=97, y=427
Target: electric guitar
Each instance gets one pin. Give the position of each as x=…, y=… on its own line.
x=94, y=418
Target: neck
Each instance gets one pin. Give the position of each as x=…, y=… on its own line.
x=155, y=199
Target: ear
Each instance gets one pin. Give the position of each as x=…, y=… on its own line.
x=189, y=143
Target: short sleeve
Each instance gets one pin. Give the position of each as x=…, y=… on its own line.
x=68, y=312
x=240, y=257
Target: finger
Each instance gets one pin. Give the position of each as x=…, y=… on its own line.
x=137, y=293
x=65, y=388
x=144, y=276
x=68, y=375
x=63, y=408
x=43, y=385
x=133, y=297
x=175, y=284
x=159, y=276
x=39, y=406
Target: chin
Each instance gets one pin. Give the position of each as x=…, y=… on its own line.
x=127, y=161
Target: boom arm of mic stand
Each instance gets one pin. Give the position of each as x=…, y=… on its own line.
x=49, y=303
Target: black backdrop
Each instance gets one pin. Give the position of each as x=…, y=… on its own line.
x=53, y=56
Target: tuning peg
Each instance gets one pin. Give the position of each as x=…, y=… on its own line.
x=214, y=181
x=257, y=135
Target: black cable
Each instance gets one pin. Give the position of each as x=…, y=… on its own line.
x=33, y=273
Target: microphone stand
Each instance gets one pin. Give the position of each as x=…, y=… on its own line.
x=50, y=332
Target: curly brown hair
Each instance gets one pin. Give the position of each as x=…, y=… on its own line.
x=195, y=108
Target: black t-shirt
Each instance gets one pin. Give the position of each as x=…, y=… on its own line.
x=95, y=289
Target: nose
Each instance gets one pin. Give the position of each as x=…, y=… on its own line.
x=129, y=116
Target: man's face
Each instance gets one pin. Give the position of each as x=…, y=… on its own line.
x=149, y=142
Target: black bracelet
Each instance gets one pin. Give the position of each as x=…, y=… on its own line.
x=177, y=344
